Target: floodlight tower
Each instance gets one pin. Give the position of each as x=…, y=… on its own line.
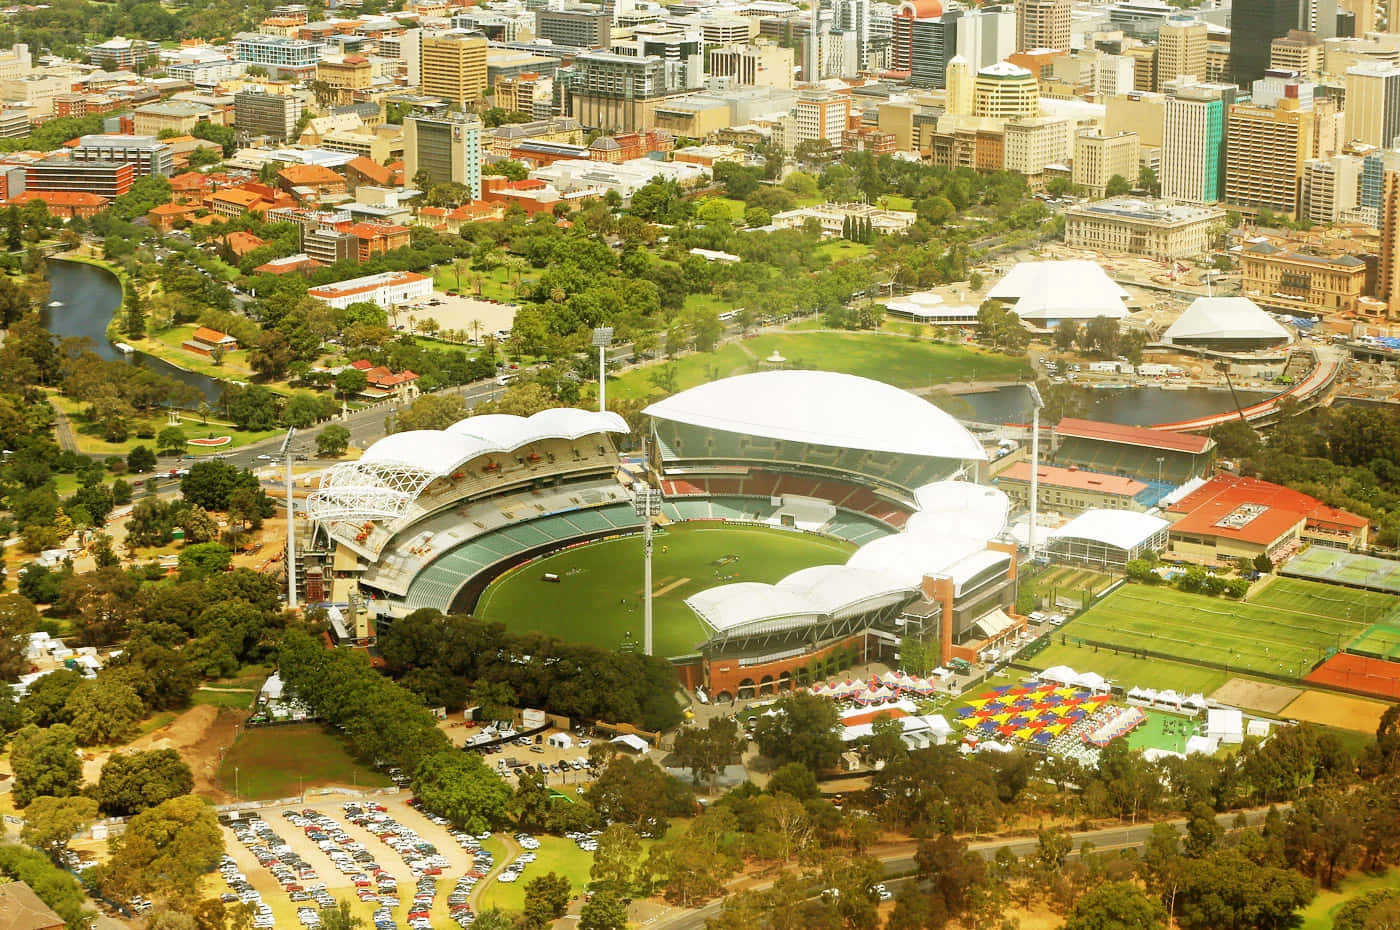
x=602, y=336
x=286, y=451
x=1036, y=404
x=648, y=505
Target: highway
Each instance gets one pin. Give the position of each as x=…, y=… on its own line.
x=900, y=860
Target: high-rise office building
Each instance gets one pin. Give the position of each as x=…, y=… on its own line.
x=1005, y=91
x=921, y=17
x=958, y=77
x=1181, y=49
x=1388, y=276
x=262, y=114
x=1193, y=136
x=580, y=27
x=447, y=149
x=454, y=66
x=1331, y=188
x=821, y=114
x=986, y=35
x=1254, y=25
x=1098, y=158
x=1265, y=149
x=933, y=42
x=1042, y=24
x=1373, y=103
x=854, y=16
x=148, y=154
x=1298, y=51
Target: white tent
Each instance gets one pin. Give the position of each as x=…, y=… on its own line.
x=632, y=742
x=560, y=740
x=1045, y=292
x=1224, y=319
x=1225, y=724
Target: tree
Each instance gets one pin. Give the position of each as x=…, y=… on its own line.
x=1117, y=906
x=164, y=850
x=271, y=355
x=140, y=460
x=45, y=763
x=253, y=408
x=332, y=441
x=341, y=917
x=615, y=861
x=49, y=823
x=199, y=526
x=494, y=699
x=135, y=781
x=604, y=912
x=202, y=560
x=1147, y=180
x=170, y=441
x=211, y=484
x=803, y=728
x=351, y=381
x=1066, y=335
x=104, y=710
x=795, y=780
x=461, y=788
x=1227, y=891
x=546, y=900
x=18, y=619
x=134, y=323
x=707, y=750
x=43, y=703
x=1117, y=186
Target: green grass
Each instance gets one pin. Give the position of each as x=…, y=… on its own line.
x=1319, y=914
x=835, y=250
x=283, y=761
x=1243, y=636
x=495, y=284
x=166, y=344
x=893, y=359
x=895, y=202
x=556, y=854
x=232, y=699
x=1326, y=600
x=736, y=207
x=585, y=605
x=1127, y=671
x=707, y=302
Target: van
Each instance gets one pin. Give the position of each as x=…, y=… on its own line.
x=503, y=380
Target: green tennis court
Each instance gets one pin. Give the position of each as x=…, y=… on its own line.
x=1381, y=640
x=598, y=597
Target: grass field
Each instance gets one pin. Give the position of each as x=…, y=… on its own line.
x=890, y=358
x=1072, y=578
x=1128, y=671
x=1285, y=635
x=1348, y=567
x=281, y=762
x=1320, y=913
x=586, y=605
x=556, y=854
x=1326, y=600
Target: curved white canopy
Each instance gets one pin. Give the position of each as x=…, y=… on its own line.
x=969, y=568
x=1225, y=318
x=823, y=408
x=907, y=557
x=841, y=590
x=1121, y=528
x=748, y=603
x=1061, y=290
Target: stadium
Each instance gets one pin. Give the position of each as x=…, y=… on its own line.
x=808, y=518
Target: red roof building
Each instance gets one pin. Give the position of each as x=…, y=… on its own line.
x=205, y=341
x=383, y=382
x=319, y=180
x=365, y=170
x=378, y=238
x=452, y=220
x=1225, y=494
x=241, y=243
x=1137, y=451
x=66, y=204
x=292, y=263
x=1073, y=488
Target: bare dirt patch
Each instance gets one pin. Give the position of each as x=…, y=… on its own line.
x=1337, y=710
x=1256, y=695
x=200, y=735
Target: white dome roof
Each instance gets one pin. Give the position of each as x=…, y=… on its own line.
x=823, y=408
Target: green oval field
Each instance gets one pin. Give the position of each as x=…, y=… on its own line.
x=598, y=598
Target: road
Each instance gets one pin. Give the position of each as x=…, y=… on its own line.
x=901, y=861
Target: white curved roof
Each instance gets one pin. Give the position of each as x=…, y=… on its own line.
x=907, y=557
x=1121, y=528
x=433, y=450
x=841, y=590
x=1225, y=318
x=1076, y=289
x=747, y=603
x=966, y=504
x=824, y=408
x=973, y=565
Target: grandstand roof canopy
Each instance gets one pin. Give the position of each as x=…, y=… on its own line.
x=747, y=603
x=1122, y=529
x=907, y=557
x=1061, y=290
x=1223, y=319
x=1071, y=427
x=822, y=408
x=837, y=590
x=965, y=499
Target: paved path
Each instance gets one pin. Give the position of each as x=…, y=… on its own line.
x=63, y=429
x=512, y=851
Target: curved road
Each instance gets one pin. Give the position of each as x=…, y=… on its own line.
x=901, y=861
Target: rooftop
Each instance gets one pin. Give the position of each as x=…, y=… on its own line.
x=1076, y=479
x=1134, y=436
x=1232, y=490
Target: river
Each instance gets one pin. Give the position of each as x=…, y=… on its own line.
x=88, y=296
x=1134, y=406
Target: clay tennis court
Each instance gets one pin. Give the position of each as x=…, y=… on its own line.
x=1255, y=695
x=1360, y=673
x=1337, y=710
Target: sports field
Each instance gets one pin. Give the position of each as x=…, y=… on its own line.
x=1072, y=578
x=284, y=761
x=1346, y=567
x=1127, y=670
x=1283, y=633
x=598, y=598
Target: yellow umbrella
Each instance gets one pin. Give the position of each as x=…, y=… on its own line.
x=1002, y=718
x=978, y=704
x=1025, y=733
x=1057, y=728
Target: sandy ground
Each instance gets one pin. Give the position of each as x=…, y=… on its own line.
x=460, y=312
x=1337, y=710
x=200, y=735
x=1255, y=695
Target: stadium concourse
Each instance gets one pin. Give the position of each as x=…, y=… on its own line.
x=808, y=450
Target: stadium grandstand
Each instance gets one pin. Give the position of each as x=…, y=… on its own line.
x=1225, y=324
x=845, y=456
x=1160, y=458
x=423, y=512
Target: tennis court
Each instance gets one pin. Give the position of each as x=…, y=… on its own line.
x=1360, y=673
x=1314, y=598
x=1259, y=637
x=1326, y=564
x=1067, y=578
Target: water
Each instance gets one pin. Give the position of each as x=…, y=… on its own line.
x=1135, y=406
x=89, y=295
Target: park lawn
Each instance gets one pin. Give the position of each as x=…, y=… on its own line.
x=835, y=250
x=1319, y=599
x=233, y=699
x=495, y=284
x=896, y=202
x=89, y=443
x=166, y=344
x=736, y=207
x=156, y=721
x=1320, y=913
x=556, y=854
x=587, y=604
x=707, y=302
x=283, y=761
x=893, y=359
x=1127, y=671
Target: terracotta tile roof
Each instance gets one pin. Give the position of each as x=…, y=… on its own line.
x=212, y=336
x=241, y=243
x=22, y=909
x=1133, y=435
x=60, y=198
x=1075, y=479
x=309, y=175
x=370, y=169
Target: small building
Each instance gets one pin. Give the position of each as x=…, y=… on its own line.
x=1074, y=488
x=928, y=307
x=298, y=263
x=389, y=289
x=381, y=381
x=204, y=341
x=1108, y=538
x=1232, y=516
x=22, y=909
x=1225, y=724
x=560, y=740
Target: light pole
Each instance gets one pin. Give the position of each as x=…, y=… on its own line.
x=1160, y=460
x=291, y=523
x=602, y=336
x=1036, y=404
x=648, y=505
x=235, y=783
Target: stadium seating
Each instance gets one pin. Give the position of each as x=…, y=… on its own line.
x=1120, y=459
